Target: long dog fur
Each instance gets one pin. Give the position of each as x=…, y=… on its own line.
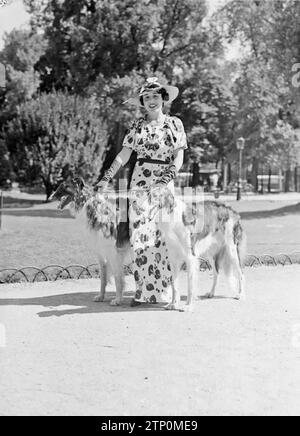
x=213, y=230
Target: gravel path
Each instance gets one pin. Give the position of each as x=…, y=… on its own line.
x=66, y=355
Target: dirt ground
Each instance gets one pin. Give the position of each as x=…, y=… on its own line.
x=63, y=354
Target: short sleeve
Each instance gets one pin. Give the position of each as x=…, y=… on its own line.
x=179, y=135
x=129, y=140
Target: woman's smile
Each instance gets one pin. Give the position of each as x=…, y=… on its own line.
x=153, y=101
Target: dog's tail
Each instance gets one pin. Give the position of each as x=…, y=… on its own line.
x=240, y=240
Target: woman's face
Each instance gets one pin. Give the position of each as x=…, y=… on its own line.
x=153, y=102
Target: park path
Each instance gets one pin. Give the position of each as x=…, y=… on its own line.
x=66, y=355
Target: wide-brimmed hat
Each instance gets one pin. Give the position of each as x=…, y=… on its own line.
x=152, y=84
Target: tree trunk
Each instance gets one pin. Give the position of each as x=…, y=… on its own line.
x=195, y=177
x=48, y=188
x=287, y=180
x=296, y=179
x=280, y=180
x=225, y=176
x=229, y=173
x=269, y=181
x=254, y=180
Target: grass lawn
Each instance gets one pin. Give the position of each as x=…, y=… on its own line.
x=36, y=234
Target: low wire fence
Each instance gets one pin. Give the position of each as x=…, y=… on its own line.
x=57, y=272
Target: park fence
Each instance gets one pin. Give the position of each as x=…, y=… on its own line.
x=57, y=272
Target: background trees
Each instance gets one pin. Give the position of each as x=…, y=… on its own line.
x=22, y=50
x=101, y=51
x=56, y=135
x=268, y=103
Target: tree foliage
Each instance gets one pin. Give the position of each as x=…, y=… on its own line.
x=5, y=166
x=87, y=38
x=22, y=50
x=107, y=48
x=102, y=51
x=56, y=135
x=268, y=113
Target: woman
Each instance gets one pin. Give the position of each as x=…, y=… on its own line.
x=159, y=141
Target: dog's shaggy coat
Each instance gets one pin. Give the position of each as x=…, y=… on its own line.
x=208, y=228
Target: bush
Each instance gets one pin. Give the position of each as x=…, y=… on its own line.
x=56, y=135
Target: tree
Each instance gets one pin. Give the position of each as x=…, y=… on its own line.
x=56, y=135
x=107, y=48
x=207, y=107
x=22, y=49
x=268, y=111
x=88, y=38
x=5, y=167
x=269, y=31
x=103, y=44
x=269, y=28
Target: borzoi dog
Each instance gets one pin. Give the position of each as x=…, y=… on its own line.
x=217, y=234
x=213, y=229
x=98, y=219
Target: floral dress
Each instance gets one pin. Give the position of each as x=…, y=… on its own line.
x=155, y=146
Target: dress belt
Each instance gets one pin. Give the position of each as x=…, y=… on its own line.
x=152, y=161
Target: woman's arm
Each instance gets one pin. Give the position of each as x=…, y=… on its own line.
x=178, y=160
x=121, y=160
x=171, y=172
x=124, y=155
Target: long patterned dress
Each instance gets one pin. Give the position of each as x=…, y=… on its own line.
x=155, y=147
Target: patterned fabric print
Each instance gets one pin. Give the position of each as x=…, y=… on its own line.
x=152, y=270
x=156, y=142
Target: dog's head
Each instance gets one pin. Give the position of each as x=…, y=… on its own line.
x=71, y=190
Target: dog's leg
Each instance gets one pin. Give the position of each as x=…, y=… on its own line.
x=216, y=271
x=118, y=268
x=236, y=276
x=241, y=282
x=180, y=249
x=175, y=303
x=211, y=294
x=210, y=246
x=103, y=277
x=120, y=284
x=191, y=264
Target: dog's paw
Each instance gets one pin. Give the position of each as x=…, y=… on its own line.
x=187, y=308
x=241, y=297
x=115, y=302
x=99, y=299
x=209, y=295
x=172, y=306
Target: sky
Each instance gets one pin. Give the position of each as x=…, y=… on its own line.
x=12, y=15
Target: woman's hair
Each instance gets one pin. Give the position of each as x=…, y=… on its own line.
x=162, y=91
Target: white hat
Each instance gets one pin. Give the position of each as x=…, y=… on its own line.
x=152, y=84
